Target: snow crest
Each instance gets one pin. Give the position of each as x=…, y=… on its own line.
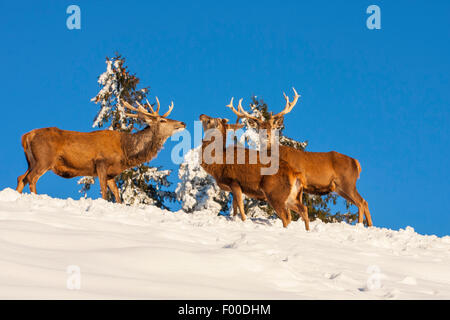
x=142, y=252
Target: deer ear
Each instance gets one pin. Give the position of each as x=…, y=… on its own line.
x=148, y=120
x=278, y=122
x=225, y=120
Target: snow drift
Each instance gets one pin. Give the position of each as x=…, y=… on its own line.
x=143, y=252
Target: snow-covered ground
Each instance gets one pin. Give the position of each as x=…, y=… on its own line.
x=128, y=252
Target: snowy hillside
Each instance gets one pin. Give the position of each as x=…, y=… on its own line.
x=129, y=252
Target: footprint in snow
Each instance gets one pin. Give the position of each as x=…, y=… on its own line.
x=235, y=244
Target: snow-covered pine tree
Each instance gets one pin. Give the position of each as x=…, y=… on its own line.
x=142, y=184
x=197, y=190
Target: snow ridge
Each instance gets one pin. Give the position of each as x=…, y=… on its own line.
x=143, y=252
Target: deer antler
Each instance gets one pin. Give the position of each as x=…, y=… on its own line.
x=241, y=113
x=150, y=106
x=156, y=113
x=157, y=103
x=165, y=115
x=130, y=107
x=143, y=110
x=289, y=105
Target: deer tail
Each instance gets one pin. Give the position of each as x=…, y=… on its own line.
x=26, y=139
x=358, y=167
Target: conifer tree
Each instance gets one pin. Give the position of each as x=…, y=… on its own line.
x=197, y=190
x=142, y=184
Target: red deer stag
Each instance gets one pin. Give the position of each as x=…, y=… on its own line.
x=324, y=172
x=103, y=153
x=282, y=190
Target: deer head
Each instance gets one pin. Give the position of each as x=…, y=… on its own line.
x=220, y=124
x=166, y=126
x=273, y=122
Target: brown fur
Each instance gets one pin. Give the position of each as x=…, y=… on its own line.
x=104, y=153
x=282, y=190
x=329, y=172
x=324, y=172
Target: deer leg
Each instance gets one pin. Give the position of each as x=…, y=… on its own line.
x=367, y=213
x=235, y=206
x=282, y=212
x=300, y=208
x=103, y=188
x=226, y=187
x=22, y=181
x=102, y=178
x=304, y=214
x=33, y=177
x=304, y=209
x=365, y=209
x=354, y=197
x=277, y=195
x=113, y=187
x=288, y=216
x=237, y=195
x=280, y=209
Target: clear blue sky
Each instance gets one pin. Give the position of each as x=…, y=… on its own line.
x=381, y=96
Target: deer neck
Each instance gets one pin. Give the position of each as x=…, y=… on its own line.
x=215, y=141
x=142, y=146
